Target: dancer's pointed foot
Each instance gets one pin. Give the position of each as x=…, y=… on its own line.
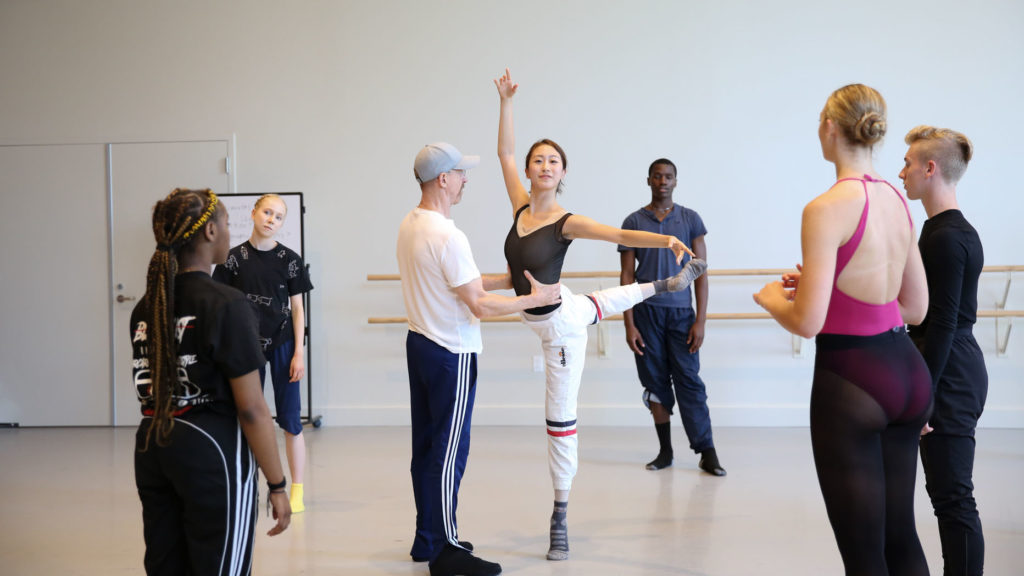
x=693, y=270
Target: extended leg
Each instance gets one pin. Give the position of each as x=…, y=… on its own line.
x=619, y=298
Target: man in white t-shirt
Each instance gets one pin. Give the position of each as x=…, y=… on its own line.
x=445, y=296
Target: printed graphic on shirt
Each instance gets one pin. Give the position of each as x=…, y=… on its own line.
x=186, y=393
x=260, y=300
x=269, y=279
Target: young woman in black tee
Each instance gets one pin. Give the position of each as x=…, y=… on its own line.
x=205, y=425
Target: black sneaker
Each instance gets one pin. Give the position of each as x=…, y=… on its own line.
x=465, y=544
x=454, y=561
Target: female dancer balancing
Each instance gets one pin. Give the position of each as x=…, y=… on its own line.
x=540, y=236
x=862, y=279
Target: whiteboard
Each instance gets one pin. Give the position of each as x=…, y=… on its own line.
x=240, y=218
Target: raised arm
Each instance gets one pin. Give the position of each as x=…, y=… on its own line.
x=578, y=226
x=507, y=143
x=484, y=304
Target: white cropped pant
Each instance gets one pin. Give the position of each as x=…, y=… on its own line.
x=563, y=335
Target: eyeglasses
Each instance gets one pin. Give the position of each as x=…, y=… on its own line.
x=460, y=172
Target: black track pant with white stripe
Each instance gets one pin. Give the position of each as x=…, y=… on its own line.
x=442, y=386
x=198, y=497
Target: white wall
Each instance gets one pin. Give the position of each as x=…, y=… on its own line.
x=335, y=98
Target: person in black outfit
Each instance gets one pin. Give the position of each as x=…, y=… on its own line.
x=205, y=425
x=953, y=259
x=274, y=279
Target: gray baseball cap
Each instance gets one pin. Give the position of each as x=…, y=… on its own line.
x=438, y=158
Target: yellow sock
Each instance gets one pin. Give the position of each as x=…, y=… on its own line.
x=296, y=499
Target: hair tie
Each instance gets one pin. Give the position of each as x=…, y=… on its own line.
x=204, y=218
x=164, y=248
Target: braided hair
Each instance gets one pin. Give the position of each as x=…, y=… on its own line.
x=176, y=221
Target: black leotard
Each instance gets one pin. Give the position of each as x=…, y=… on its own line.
x=541, y=252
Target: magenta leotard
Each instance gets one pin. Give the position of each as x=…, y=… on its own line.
x=846, y=314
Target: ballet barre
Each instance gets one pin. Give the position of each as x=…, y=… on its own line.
x=711, y=272
x=616, y=317
x=1000, y=313
x=711, y=316
x=615, y=274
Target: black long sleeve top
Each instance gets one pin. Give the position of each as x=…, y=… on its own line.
x=953, y=259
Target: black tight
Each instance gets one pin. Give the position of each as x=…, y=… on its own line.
x=866, y=460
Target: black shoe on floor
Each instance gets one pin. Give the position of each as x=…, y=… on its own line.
x=709, y=463
x=463, y=543
x=662, y=461
x=454, y=561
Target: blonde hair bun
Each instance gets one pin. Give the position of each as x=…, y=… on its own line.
x=859, y=111
x=870, y=128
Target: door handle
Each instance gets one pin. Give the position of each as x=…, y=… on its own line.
x=123, y=298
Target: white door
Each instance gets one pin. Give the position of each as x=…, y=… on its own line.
x=143, y=174
x=55, y=311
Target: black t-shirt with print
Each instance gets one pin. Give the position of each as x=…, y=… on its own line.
x=215, y=332
x=269, y=278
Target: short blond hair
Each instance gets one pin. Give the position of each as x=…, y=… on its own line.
x=859, y=111
x=949, y=149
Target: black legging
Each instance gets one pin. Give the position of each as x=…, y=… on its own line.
x=947, y=456
x=870, y=398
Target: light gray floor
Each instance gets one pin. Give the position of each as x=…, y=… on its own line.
x=69, y=506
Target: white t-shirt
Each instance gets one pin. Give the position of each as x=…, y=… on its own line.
x=434, y=258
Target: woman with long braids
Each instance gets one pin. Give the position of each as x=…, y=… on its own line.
x=861, y=280
x=537, y=242
x=205, y=425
